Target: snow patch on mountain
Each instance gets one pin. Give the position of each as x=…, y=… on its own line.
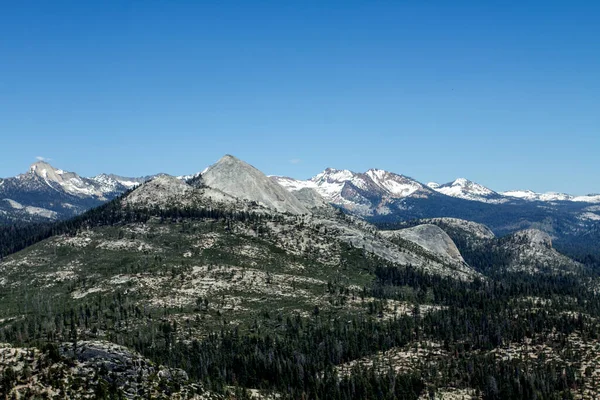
x=397, y=185
x=331, y=182
x=547, y=197
x=521, y=194
x=465, y=189
x=293, y=184
x=69, y=182
x=590, y=198
x=589, y=216
x=109, y=182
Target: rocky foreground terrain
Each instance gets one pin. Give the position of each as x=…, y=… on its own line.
x=91, y=370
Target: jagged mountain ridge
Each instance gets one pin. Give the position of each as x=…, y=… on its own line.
x=570, y=222
x=48, y=193
x=45, y=192
x=368, y=193
x=339, y=186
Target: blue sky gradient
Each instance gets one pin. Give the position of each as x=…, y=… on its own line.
x=504, y=93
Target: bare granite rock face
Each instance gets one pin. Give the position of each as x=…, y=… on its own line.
x=312, y=200
x=239, y=179
x=431, y=238
x=535, y=238
x=159, y=191
x=532, y=251
x=478, y=231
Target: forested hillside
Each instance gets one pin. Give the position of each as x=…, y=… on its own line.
x=192, y=293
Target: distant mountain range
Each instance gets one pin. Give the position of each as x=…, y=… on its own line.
x=46, y=193
x=389, y=199
x=345, y=187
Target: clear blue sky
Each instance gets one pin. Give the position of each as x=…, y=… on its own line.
x=504, y=93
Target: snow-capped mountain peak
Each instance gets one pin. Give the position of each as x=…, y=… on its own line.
x=533, y=196
x=396, y=185
x=377, y=174
x=60, y=180
x=333, y=175
x=462, y=182
x=365, y=193
x=463, y=188
x=46, y=171
x=472, y=187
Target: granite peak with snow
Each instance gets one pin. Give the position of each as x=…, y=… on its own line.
x=48, y=193
x=463, y=188
x=368, y=193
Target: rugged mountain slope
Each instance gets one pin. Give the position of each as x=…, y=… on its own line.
x=432, y=238
x=371, y=193
x=528, y=250
x=468, y=228
x=531, y=251
x=47, y=193
x=239, y=179
x=312, y=200
x=161, y=191
x=385, y=198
